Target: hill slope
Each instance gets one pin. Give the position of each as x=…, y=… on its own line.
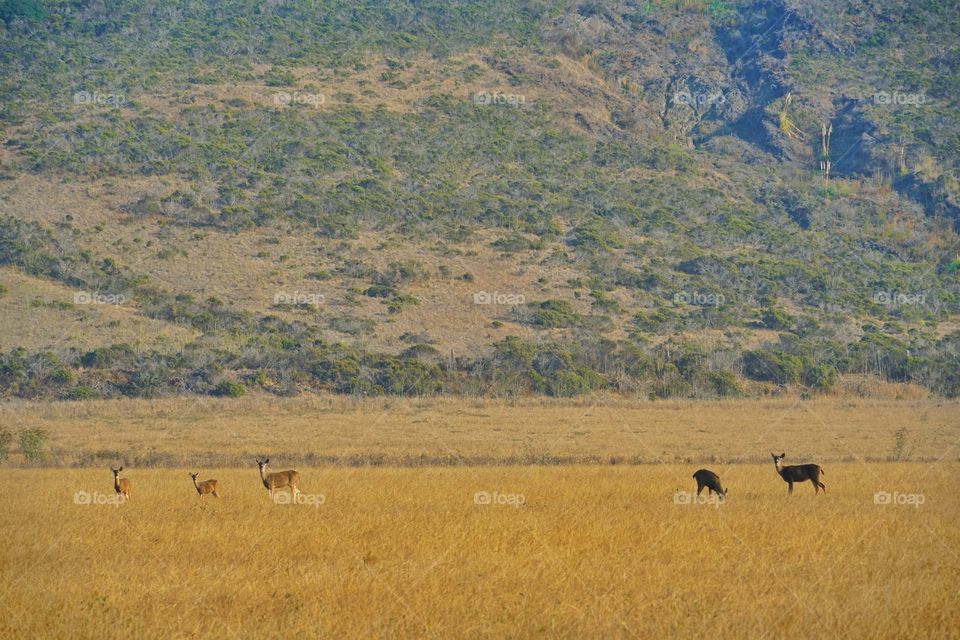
x=495, y=198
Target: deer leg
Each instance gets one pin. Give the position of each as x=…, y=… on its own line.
x=789, y=488
x=699, y=489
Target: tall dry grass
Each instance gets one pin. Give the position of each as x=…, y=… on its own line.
x=590, y=552
x=319, y=431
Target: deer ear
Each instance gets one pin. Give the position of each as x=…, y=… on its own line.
x=266, y=461
x=120, y=469
x=783, y=455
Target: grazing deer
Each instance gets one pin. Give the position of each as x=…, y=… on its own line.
x=206, y=486
x=278, y=479
x=799, y=473
x=120, y=485
x=710, y=480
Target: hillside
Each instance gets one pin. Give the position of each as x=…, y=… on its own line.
x=492, y=198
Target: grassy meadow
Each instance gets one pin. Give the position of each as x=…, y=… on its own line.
x=323, y=430
x=391, y=539
x=578, y=551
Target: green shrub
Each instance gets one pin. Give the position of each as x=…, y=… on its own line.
x=725, y=383
x=819, y=376
x=6, y=441
x=83, y=392
x=229, y=389
x=516, y=242
x=379, y=291
x=771, y=366
x=776, y=319
x=554, y=313
x=33, y=444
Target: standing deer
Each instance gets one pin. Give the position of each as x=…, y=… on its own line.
x=278, y=479
x=710, y=480
x=206, y=486
x=120, y=485
x=799, y=473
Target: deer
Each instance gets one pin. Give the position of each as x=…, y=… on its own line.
x=278, y=479
x=710, y=480
x=799, y=473
x=120, y=485
x=206, y=486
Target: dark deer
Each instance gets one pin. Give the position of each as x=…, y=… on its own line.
x=799, y=473
x=710, y=480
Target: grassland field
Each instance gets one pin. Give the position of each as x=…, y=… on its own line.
x=483, y=519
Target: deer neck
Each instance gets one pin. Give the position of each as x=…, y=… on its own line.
x=779, y=465
x=263, y=477
x=196, y=484
x=116, y=483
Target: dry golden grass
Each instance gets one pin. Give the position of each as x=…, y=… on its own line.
x=322, y=430
x=592, y=552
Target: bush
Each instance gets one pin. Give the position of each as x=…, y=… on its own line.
x=32, y=444
x=772, y=366
x=819, y=376
x=83, y=392
x=6, y=440
x=776, y=319
x=380, y=291
x=554, y=313
x=229, y=389
x=725, y=383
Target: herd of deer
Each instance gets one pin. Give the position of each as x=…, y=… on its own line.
x=271, y=481
x=290, y=479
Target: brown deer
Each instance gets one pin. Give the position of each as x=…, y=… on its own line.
x=120, y=485
x=206, y=486
x=710, y=480
x=278, y=479
x=799, y=473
